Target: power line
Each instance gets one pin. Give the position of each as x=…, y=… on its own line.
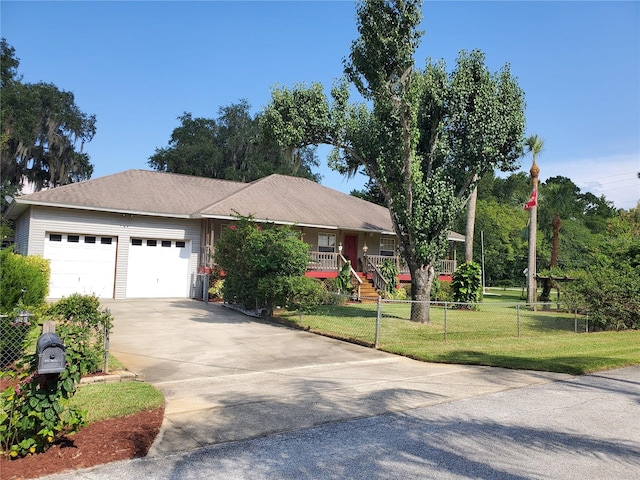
x=608, y=176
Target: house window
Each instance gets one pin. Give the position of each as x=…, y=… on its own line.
x=89, y=239
x=55, y=237
x=106, y=240
x=136, y=242
x=180, y=244
x=166, y=243
x=326, y=242
x=387, y=247
x=73, y=238
x=152, y=243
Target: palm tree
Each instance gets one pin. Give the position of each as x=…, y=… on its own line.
x=559, y=195
x=534, y=145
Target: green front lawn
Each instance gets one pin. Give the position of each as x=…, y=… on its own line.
x=501, y=333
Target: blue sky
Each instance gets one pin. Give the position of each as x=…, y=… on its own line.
x=139, y=65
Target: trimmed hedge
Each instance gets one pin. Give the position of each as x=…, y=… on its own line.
x=23, y=280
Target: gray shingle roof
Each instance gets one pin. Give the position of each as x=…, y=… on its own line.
x=279, y=198
x=139, y=191
x=276, y=198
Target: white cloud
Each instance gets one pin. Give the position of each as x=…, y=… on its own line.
x=615, y=177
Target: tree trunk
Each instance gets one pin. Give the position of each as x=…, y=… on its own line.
x=471, y=220
x=422, y=278
x=556, y=223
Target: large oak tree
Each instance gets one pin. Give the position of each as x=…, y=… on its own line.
x=424, y=136
x=43, y=131
x=230, y=147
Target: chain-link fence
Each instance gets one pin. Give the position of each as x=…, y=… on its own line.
x=14, y=331
x=388, y=324
x=19, y=334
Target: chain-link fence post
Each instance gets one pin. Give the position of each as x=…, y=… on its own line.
x=445, y=321
x=586, y=325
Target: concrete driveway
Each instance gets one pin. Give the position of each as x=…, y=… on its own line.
x=229, y=377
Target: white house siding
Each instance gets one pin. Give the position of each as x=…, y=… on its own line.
x=21, y=232
x=45, y=220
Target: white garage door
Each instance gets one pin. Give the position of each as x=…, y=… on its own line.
x=158, y=268
x=83, y=264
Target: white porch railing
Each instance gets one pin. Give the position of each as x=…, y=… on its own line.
x=446, y=267
x=328, y=261
x=323, y=261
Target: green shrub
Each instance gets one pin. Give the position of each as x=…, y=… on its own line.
x=215, y=288
x=389, y=271
x=330, y=284
x=442, y=291
x=23, y=280
x=396, y=294
x=36, y=412
x=249, y=252
x=335, y=298
x=610, y=295
x=82, y=326
x=24, y=285
x=343, y=280
x=467, y=283
x=305, y=293
x=293, y=293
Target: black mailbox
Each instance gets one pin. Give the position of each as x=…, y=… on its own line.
x=51, y=354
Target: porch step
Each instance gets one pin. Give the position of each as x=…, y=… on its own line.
x=367, y=291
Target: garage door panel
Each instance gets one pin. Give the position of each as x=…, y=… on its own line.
x=84, y=265
x=158, y=268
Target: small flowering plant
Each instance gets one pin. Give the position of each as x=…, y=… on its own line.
x=35, y=410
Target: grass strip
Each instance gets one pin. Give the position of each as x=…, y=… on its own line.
x=111, y=400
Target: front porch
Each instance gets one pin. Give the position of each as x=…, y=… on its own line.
x=330, y=249
x=367, y=278
x=327, y=265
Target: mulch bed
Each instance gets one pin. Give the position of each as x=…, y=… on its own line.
x=98, y=443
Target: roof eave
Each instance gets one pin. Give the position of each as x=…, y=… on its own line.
x=99, y=209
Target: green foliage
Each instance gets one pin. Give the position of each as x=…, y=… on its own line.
x=82, y=326
x=215, y=289
x=294, y=293
x=335, y=298
x=467, y=283
x=343, y=280
x=330, y=284
x=423, y=136
x=608, y=288
x=610, y=294
x=41, y=129
x=398, y=293
x=505, y=247
x=36, y=412
x=24, y=280
x=229, y=147
x=249, y=252
x=389, y=271
x=442, y=292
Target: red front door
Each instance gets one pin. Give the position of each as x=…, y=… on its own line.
x=350, y=250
